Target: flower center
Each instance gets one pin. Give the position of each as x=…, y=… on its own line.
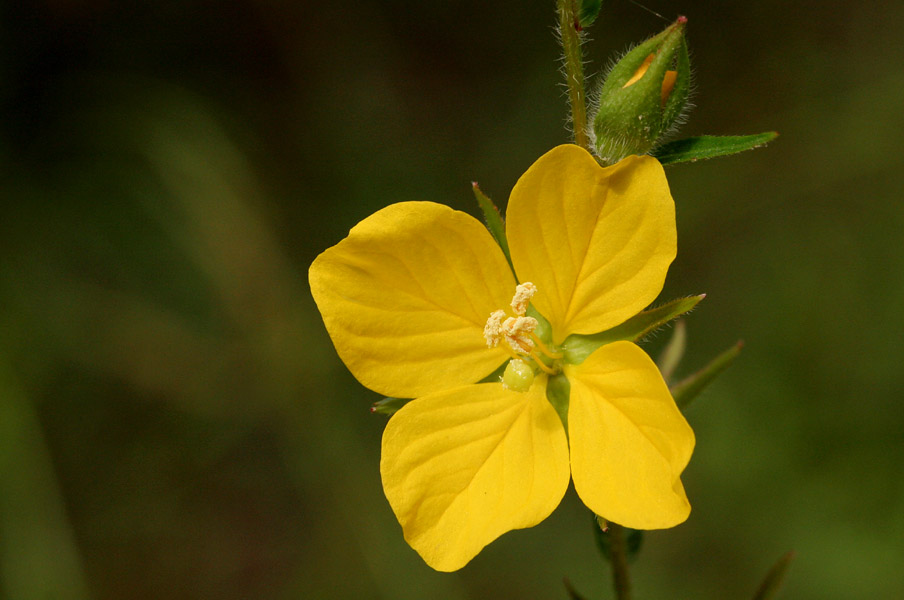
x=515, y=333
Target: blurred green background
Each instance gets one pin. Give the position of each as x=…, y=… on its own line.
x=174, y=422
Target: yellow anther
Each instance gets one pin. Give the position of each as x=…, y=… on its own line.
x=523, y=293
x=517, y=332
x=492, y=331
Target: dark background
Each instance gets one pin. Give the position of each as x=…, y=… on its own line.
x=174, y=422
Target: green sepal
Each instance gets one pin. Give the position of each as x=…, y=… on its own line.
x=389, y=406
x=673, y=352
x=590, y=10
x=494, y=221
x=689, y=388
x=774, y=578
x=710, y=146
x=677, y=100
x=630, y=120
x=578, y=347
x=544, y=329
x=633, y=539
x=495, y=376
x=558, y=392
x=625, y=68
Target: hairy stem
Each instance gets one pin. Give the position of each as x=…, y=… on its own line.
x=569, y=29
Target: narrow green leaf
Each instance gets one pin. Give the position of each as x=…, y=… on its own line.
x=674, y=351
x=774, y=578
x=710, y=146
x=37, y=542
x=590, y=10
x=494, y=221
x=578, y=347
x=389, y=406
x=689, y=388
x=572, y=593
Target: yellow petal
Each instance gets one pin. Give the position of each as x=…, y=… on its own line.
x=462, y=467
x=597, y=242
x=406, y=295
x=629, y=442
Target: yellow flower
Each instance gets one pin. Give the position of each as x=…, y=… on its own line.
x=418, y=302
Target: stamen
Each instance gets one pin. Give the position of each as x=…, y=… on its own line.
x=517, y=333
x=523, y=293
x=492, y=331
x=512, y=353
x=539, y=362
x=543, y=348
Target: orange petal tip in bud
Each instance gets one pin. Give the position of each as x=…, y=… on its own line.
x=640, y=72
x=668, y=84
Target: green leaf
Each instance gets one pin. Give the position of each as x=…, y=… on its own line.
x=590, y=10
x=578, y=347
x=689, y=388
x=774, y=578
x=572, y=593
x=674, y=351
x=389, y=406
x=710, y=146
x=494, y=221
x=40, y=554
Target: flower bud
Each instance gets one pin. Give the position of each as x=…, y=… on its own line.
x=643, y=95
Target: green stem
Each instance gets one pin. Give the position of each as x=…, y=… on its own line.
x=619, y=561
x=37, y=543
x=569, y=29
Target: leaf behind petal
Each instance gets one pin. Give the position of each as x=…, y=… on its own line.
x=578, y=347
x=689, y=388
x=774, y=578
x=710, y=146
x=590, y=10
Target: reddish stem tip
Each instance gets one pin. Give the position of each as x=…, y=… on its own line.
x=682, y=19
